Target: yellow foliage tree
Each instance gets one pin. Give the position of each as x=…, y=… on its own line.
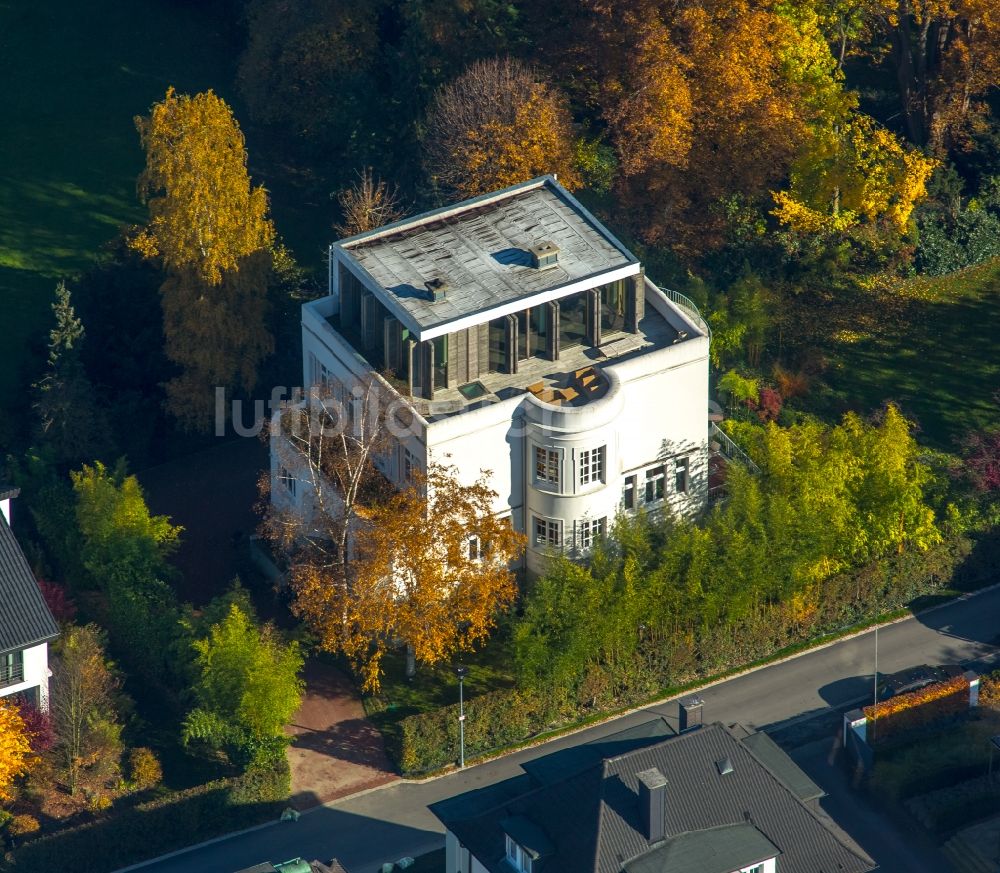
x=210, y=229
x=15, y=748
x=431, y=570
x=496, y=125
x=860, y=171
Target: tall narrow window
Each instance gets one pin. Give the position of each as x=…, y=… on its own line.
x=546, y=465
x=592, y=466
x=409, y=464
x=682, y=473
x=628, y=495
x=289, y=481
x=441, y=362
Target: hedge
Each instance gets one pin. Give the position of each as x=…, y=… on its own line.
x=173, y=821
x=430, y=740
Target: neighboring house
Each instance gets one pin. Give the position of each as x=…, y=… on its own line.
x=26, y=625
x=296, y=865
x=713, y=799
x=527, y=340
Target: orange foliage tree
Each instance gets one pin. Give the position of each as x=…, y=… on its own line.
x=15, y=747
x=431, y=569
x=498, y=124
x=209, y=227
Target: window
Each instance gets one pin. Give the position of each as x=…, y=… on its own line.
x=409, y=464
x=592, y=466
x=572, y=320
x=681, y=475
x=757, y=868
x=547, y=532
x=592, y=529
x=628, y=495
x=289, y=481
x=11, y=668
x=654, y=484
x=475, y=550
x=518, y=858
x=547, y=465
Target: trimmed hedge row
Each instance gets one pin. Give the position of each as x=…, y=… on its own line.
x=175, y=820
x=430, y=740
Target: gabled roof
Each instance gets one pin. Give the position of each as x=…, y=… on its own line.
x=480, y=250
x=25, y=620
x=715, y=850
x=593, y=818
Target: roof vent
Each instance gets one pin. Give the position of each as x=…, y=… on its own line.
x=437, y=289
x=544, y=255
x=725, y=766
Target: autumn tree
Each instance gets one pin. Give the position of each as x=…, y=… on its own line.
x=858, y=171
x=331, y=446
x=432, y=569
x=15, y=747
x=70, y=422
x=947, y=58
x=497, y=124
x=247, y=688
x=83, y=706
x=366, y=204
x=210, y=229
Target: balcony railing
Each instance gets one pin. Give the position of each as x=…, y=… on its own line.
x=689, y=306
x=11, y=674
x=729, y=449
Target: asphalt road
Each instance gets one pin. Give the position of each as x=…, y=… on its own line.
x=392, y=822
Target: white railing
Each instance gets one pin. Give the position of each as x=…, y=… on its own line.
x=729, y=449
x=689, y=306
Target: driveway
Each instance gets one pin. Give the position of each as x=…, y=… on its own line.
x=336, y=751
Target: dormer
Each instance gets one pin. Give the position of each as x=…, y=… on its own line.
x=525, y=844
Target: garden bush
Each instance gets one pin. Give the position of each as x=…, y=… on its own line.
x=127, y=836
x=144, y=770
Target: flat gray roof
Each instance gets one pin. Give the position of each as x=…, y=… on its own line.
x=480, y=248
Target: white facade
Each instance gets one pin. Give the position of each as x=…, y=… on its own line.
x=32, y=665
x=563, y=461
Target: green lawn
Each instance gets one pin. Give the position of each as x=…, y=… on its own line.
x=75, y=74
x=934, y=353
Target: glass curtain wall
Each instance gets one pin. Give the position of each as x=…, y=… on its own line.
x=612, y=307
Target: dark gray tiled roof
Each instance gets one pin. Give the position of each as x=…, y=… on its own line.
x=716, y=850
x=770, y=754
x=480, y=248
x=593, y=818
x=25, y=620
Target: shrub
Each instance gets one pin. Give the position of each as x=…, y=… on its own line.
x=144, y=770
x=160, y=825
x=916, y=709
x=22, y=825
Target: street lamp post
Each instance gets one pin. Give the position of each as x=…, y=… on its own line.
x=460, y=671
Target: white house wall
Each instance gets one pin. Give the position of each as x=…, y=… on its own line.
x=36, y=674
x=654, y=411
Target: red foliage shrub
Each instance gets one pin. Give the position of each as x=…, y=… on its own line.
x=768, y=404
x=39, y=727
x=918, y=708
x=982, y=460
x=60, y=604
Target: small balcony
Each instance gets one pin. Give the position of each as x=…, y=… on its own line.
x=11, y=669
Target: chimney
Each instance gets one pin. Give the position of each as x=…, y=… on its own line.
x=690, y=713
x=6, y=495
x=653, y=803
x=437, y=289
x=544, y=255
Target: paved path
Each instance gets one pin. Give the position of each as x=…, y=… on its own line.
x=336, y=751
x=393, y=821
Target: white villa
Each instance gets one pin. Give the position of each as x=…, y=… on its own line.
x=26, y=625
x=526, y=340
